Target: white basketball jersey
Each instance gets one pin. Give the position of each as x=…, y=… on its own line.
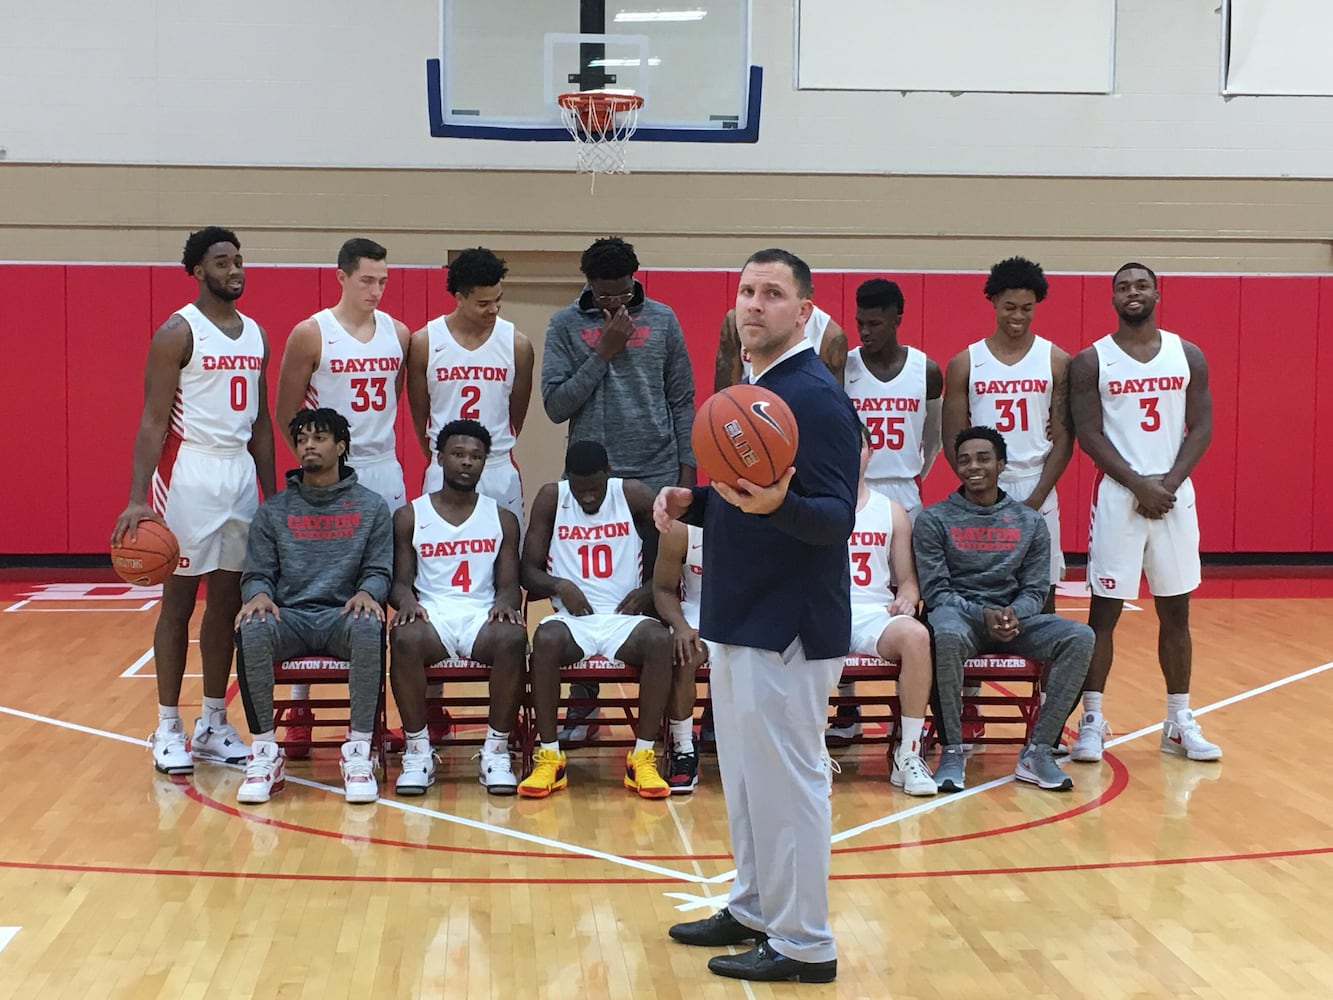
x=471, y=385
x=601, y=552
x=1015, y=400
x=692, y=576
x=217, y=398
x=868, y=549
x=894, y=412
x=457, y=563
x=814, y=332
x=358, y=381
x=1143, y=404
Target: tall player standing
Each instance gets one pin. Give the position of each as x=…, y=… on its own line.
x=350, y=359
x=1018, y=383
x=473, y=365
x=203, y=437
x=1143, y=412
x=896, y=391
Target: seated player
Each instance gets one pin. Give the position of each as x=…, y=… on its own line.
x=677, y=586
x=586, y=546
x=317, y=571
x=455, y=588
x=985, y=566
x=884, y=624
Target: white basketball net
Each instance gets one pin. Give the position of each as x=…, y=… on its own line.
x=601, y=133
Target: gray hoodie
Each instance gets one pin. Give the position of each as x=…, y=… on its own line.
x=640, y=405
x=970, y=557
x=314, y=547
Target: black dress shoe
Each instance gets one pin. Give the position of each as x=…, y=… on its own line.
x=763, y=964
x=718, y=931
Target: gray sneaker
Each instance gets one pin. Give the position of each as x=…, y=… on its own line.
x=951, y=770
x=1036, y=764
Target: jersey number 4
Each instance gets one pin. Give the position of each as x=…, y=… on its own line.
x=462, y=578
x=369, y=394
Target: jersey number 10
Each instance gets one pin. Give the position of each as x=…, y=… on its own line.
x=595, y=561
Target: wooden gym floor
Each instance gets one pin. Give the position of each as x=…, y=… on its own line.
x=1155, y=877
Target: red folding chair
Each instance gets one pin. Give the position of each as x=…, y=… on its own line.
x=325, y=670
x=601, y=670
x=470, y=711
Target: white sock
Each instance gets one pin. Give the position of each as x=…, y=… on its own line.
x=1092, y=702
x=682, y=735
x=166, y=713
x=355, y=737
x=496, y=741
x=911, y=738
x=1177, y=703
x=421, y=734
x=552, y=746
x=215, y=710
x=643, y=745
x=269, y=737
x=300, y=692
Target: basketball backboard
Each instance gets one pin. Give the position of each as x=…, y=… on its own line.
x=503, y=63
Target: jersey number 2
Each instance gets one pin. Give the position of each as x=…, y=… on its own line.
x=471, y=397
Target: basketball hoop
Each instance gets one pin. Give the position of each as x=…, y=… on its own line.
x=600, y=122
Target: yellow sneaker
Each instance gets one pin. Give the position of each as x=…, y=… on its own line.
x=641, y=775
x=548, y=775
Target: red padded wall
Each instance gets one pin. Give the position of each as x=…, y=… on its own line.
x=1276, y=414
x=33, y=451
x=1273, y=410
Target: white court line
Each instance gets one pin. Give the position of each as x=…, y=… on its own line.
x=133, y=669
x=7, y=935
x=15, y=607
x=939, y=801
x=530, y=838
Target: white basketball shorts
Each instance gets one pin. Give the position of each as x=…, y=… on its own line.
x=385, y=477
x=208, y=499
x=457, y=623
x=599, y=635
x=1020, y=489
x=500, y=481
x=905, y=491
x=868, y=624
x=1124, y=544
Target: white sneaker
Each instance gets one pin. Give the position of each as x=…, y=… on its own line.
x=580, y=725
x=263, y=775
x=218, y=744
x=1182, y=737
x=497, y=773
x=911, y=774
x=359, y=784
x=831, y=767
x=418, y=771
x=170, y=754
x=1091, y=742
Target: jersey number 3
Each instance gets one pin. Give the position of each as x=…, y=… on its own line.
x=861, y=575
x=1152, y=420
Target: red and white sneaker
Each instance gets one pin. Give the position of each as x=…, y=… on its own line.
x=264, y=774
x=220, y=744
x=359, y=784
x=298, y=722
x=1182, y=737
x=973, y=728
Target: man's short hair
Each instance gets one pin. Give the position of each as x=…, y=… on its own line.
x=323, y=419
x=608, y=258
x=1017, y=273
x=985, y=434
x=800, y=270
x=586, y=458
x=880, y=293
x=1133, y=265
x=358, y=248
x=196, y=247
x=463, y=428
x=476, y=267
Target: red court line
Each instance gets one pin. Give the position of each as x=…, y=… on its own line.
x=1302, y=852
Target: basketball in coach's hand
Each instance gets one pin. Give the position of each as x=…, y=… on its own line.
x=744, y=432
x=150, y=558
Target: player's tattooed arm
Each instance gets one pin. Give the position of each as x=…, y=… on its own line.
x=727, y=364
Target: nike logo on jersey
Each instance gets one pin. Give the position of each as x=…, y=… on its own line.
x=330, y=342
x=857, y=379
x=693, y=547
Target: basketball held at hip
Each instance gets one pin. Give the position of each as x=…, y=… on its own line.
x=745, y=432
x=147, y=555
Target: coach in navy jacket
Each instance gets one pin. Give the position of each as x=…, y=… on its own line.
x=776, y=613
